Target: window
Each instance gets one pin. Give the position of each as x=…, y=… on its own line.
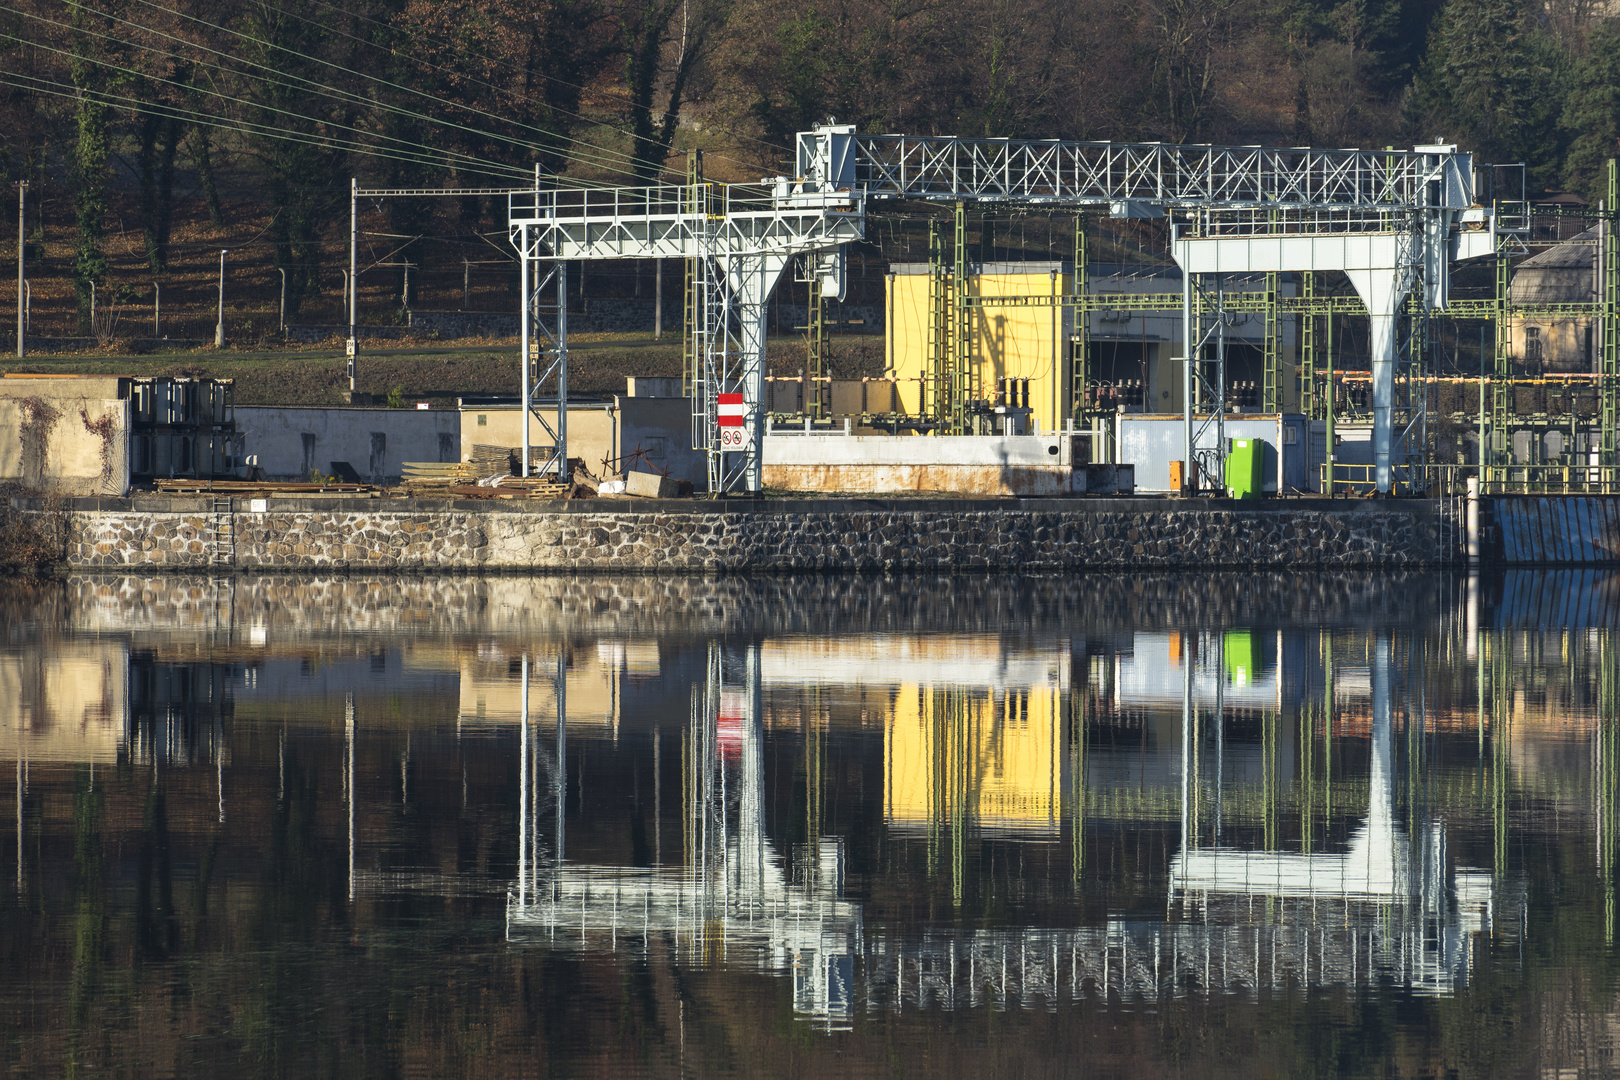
x=483, y=421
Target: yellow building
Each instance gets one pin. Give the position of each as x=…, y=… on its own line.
x=1008, y=342
x=1134, y=353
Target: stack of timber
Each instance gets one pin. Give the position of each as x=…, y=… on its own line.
x=425, y=477
x=468, y=480
x=256, y=487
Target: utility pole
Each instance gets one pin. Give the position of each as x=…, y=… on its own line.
x=22, y=202
x=354, y=284
x=219, y=329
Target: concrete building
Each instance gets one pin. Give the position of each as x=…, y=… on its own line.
x=651, y=422
x=71, y=433
x=1566, y=273
x=293, y=442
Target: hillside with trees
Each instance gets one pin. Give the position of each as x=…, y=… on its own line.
x=129, y=116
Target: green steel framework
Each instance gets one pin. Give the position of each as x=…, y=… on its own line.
x=1610, y=330
x=1080, y=334
x=962, y=382
x=815, y=344
x=953, y=308
x=1271, y=399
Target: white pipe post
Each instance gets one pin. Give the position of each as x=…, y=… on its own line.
x=525, y=314
x=219, y=327
x=562, y=368
x=1473, y=521
x=658, y=303
x=354, y=277
x=1189, y=388
x=283, y=271
x=157, y=309
x=22, y=203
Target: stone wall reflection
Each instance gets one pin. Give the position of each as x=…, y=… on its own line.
x=250, y=608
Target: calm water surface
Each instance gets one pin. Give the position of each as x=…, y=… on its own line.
x=1137, y=826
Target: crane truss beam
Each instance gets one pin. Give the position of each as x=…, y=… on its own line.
x=1138, y=179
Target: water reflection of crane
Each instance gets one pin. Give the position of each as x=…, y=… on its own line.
x=731, y=900
x=1384, y=904
x=1239, y=920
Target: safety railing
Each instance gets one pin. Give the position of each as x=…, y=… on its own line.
x=1447, y=480
x=1566, y=478
x=711, y=199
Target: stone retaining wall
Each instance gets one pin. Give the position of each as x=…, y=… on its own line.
x=768, y=535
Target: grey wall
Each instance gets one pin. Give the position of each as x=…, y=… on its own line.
x=291, y=440
x=1152, y=442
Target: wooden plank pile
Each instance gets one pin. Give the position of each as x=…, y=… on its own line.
x=423, y=477
x=485, y=476
x=198, y=486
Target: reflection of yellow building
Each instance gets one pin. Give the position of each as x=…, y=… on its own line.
x=1008, y=342
x=69, y=704
x=996, y=760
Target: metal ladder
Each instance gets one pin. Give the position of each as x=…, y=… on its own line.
x=223, y=550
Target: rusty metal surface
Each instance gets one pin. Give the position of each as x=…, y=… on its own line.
x=1559, y=529
x=1002, y=480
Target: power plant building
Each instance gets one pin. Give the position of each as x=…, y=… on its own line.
x=1134, y=355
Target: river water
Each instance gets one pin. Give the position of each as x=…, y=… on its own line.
x=1201, y=825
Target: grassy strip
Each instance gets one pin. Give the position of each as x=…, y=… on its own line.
x=318, y=376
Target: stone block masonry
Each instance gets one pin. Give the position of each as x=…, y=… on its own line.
x=772, y=536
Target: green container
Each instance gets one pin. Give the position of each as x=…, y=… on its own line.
x=1240, y=657
x=1244, y=464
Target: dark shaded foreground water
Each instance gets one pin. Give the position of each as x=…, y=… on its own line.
x=1181, y=826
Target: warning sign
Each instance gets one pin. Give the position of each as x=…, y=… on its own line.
x=731, y=416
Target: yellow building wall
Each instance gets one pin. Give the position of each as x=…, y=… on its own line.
x=1008, y=343
x=591, y=432
x=996, y=760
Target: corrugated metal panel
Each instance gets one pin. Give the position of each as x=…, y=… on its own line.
x=1559, y=529
x=1508, y=519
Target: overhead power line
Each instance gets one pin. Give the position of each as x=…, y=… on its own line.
x=604, y=154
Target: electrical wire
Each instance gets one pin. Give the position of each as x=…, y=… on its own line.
x=429, y=154
x=65, y=90
x=504, y=63
x=604, y=154
x=436, y=154
x=337, y=94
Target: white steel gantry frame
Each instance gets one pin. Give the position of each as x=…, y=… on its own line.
x=738, y=239
x=1393, y=221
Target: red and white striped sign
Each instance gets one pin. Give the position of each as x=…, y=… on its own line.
x=730, y=411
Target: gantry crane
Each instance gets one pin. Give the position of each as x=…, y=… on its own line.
x=1392, y=221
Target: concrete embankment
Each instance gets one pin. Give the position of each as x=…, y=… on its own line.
x=772, y=535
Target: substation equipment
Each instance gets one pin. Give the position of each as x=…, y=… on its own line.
x=1392, y=221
